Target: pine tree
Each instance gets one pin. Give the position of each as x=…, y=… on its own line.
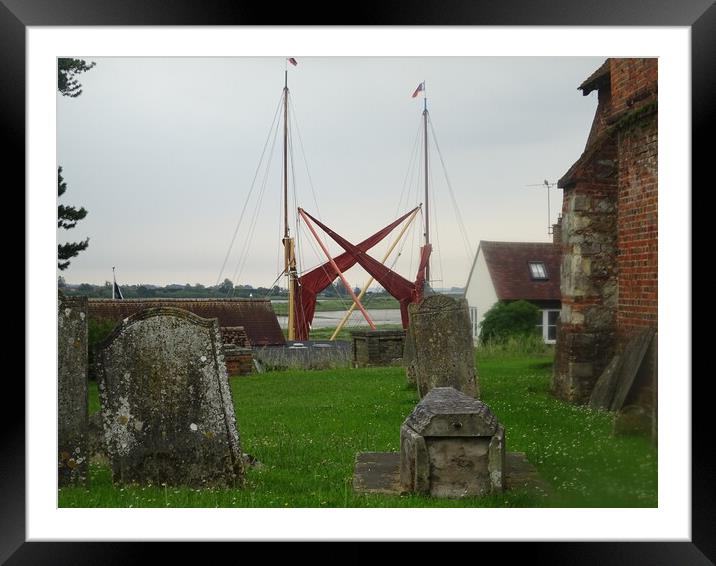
x=67, y=71
x=67, y=218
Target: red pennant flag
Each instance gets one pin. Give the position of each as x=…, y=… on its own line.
x=292, y=61
x=421, y=87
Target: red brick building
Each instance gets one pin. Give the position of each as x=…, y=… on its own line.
x=609, y=235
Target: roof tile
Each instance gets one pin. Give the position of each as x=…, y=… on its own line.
x=507, y=263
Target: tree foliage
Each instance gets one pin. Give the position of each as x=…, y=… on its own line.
x=505, y=320
x=67, y=71
x=67, y=218
x=226, y=287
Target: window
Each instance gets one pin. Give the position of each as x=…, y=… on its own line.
x=474, y=322
x=538, y=270
x=547, y=325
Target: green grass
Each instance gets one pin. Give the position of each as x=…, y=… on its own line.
x=345, y=333
x=306, y=428
x=323, y=305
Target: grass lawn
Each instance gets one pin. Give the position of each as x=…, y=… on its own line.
x=323, y=305
x=306, y=428
x=345, y=333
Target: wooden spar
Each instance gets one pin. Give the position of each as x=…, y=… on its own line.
x=338, y=271
x=427, y=201
x=285, y=157
x=288, y=242
x=368, y=283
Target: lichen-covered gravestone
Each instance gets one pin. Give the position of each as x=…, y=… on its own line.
x=72, y=390
x=167, y=410
x=452, y=445
x=439, y=351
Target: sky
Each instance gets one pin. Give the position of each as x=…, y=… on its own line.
x=165, y=153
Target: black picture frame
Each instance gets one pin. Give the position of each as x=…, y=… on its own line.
x=17, y=15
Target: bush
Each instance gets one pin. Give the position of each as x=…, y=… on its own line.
x=505, y=320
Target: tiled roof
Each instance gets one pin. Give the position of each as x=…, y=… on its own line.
x=255, y=315
x=508, y=264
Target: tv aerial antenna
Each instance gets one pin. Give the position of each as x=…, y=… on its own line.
x=548, y=186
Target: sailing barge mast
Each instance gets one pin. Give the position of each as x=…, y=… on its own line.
x=427, y=199
x=288, y=242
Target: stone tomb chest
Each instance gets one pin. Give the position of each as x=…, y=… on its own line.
x=377, y=347
x=452, y=446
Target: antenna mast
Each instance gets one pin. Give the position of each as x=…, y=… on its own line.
x=548, y=185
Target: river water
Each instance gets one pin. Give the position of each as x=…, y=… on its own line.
x=332, y=318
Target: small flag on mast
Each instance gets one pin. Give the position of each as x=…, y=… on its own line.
x=421, y=88
x=116, y=291
x=292, y=61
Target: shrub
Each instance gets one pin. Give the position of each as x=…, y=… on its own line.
x=505, y=320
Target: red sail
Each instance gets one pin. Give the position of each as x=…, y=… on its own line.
x=399, y=287
x=310, y=284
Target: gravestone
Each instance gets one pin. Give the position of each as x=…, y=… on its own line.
x=167, y=411
x=614, y=385
x=452, y=445
x=439, y=351
x=72, y=456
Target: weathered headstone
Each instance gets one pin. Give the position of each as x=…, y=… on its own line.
x=452, y=445
x=72, y=456
x=606, y=386
x=634, y=353
x=439, y=351
x=167, y=410
x=613, y=386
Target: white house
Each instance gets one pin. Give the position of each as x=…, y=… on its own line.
x=510, y=271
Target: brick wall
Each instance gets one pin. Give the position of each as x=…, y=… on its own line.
x=239, y=361
x=638, y=229
x=236, y=336
x=633, y=84
x=609, y=228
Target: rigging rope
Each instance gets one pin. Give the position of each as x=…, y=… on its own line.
x=434, y=210
x=248, y=197
x=294, y=117
x=244, y=253
x=410, y=172
x=461, y=225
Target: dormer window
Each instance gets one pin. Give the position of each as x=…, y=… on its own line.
x=538, y=270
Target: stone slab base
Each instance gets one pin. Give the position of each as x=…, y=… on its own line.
x=379, y=472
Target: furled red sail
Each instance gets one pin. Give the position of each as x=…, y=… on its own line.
x=315, y=281
x=310, y=284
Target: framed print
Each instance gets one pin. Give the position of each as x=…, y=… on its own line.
x=35, y=529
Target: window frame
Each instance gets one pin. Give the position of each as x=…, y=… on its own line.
x=544, y=326
x=534, y=264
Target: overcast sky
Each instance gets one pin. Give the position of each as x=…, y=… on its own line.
x=162, y=152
